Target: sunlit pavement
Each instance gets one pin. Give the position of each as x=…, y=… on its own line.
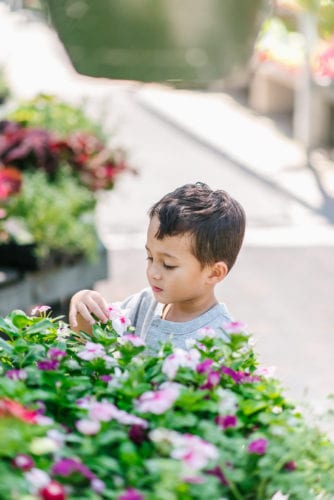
x=282, y=285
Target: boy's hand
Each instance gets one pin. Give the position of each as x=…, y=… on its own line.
x=83, y=304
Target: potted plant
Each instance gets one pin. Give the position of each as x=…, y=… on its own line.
x=53, y=161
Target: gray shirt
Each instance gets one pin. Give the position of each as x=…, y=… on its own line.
x=145, y=315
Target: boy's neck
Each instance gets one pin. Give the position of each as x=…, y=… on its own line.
x=187, y=311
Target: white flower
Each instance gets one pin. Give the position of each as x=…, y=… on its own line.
x=119, y=318
x=279, y=496
x=63, y=331
x=88, y=427
x=206, y=332
x=37, y=478
x=228, y=401
x=265, y=371
x=180, y=358
x=44, y=445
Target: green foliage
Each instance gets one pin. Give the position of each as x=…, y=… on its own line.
x=58, y=216
x=53, y=114
x=181, y=450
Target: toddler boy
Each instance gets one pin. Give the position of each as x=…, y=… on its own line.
x=193, y=239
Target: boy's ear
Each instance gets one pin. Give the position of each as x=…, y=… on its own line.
x=218, y=272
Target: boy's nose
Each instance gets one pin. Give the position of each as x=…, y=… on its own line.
x=154, y=272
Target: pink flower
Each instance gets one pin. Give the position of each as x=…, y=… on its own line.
x=234, y=327
x=194, y=451
x=23, y=462
x=38, y=310
x=104, y=412
x=16, y=374
x=119, y=319
x=131, y=494
x=97, y=485
x=88, y=427
x=92, y=351
x=258, y=446
x=157, y=402
x=133, y=339
x=186, y=359
x=265, y=371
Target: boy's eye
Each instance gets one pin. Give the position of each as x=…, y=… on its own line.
x=149, y=258
x=169, y=267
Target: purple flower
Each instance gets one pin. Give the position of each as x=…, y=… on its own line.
x=226, y=421
x=66, y=466
x=290, y=466
x=205, y=366
x=23, y=462
x=55, y=353
x=258, y=446
x=130, y=494
x=16, y=374
x=217, y=471
x=105, y=378
x=48, y=364
x=137, y=434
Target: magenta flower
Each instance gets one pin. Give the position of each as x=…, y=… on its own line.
x=66, y=466
x=48, y=364
x=20, y=374
x=105, y=378
x=258, y=446
x=23, y=462
x=55, y=353
x=212, y=380
x=131, y=494
x=217, y=471
x=157, y=402
x=239, y=377
x=204, y=366
x=226, y=421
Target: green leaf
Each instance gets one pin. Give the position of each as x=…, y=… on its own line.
x=5, y=346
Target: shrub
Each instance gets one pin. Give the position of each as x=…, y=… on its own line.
x=110, y=421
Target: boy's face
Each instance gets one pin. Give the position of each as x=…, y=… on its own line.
x=173, y=272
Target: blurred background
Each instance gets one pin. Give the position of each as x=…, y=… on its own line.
x=108, y=105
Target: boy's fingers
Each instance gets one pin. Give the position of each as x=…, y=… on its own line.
x=97, y=308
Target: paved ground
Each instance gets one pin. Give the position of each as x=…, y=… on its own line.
x=282, y=285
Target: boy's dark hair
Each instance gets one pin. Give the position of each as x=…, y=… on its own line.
x=214, y=219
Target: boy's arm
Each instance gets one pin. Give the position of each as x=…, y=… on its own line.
x=82, y=307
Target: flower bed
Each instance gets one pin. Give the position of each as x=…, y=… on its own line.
x=94, y=417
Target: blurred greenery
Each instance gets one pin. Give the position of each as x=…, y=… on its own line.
x=51, y=113
x=157, y=40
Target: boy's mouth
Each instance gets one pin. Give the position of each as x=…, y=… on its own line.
x=156, y=289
